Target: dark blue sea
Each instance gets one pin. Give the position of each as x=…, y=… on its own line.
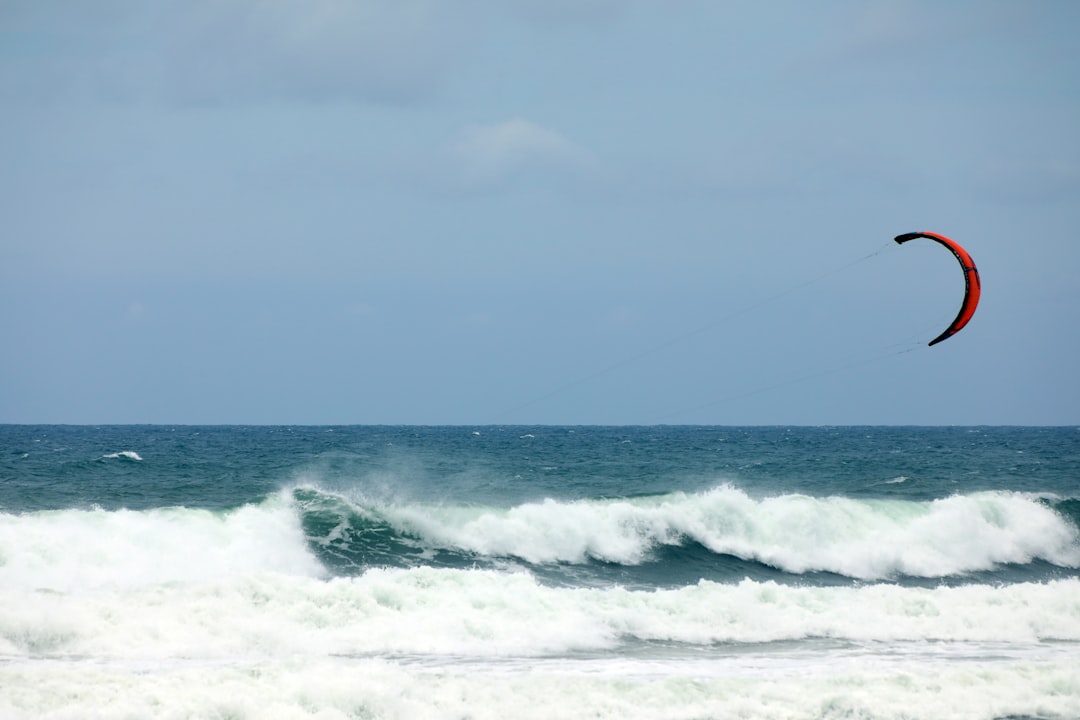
x=539, y=572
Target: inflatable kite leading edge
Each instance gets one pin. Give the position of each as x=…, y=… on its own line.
x=972, y=288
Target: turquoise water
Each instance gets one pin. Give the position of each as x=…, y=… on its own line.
x=685, y=572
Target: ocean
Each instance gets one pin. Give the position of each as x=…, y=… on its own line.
x=539, y=572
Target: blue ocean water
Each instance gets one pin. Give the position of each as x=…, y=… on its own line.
x=539, y=572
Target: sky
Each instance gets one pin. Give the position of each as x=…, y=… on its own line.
x=537, y=211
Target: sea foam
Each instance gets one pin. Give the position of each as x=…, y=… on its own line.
x=66, y=550
x=372, y=688
x=499, y=614
x=126, y=454
x=860, y=538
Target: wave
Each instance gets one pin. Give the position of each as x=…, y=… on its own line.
x=863, y=539
x=181, y=582
x=659, y=541
x=68, y=550
x=124, y=455
x=487, y=613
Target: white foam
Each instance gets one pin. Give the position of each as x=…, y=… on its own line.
x=485, y=613
x=378, y=689
x=128, y=454
x=184, y=613
x=865, y=539
x=69, y=550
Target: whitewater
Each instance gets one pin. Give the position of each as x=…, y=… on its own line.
x=542, y=572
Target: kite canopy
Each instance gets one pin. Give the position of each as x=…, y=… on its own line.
x=972, y=288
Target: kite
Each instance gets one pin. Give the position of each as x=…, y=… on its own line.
x=972, y=288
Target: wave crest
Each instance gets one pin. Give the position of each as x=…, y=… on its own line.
x=857, y=538
x=123, y=455
x=68, y=550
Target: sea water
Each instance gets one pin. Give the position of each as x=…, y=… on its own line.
x=539, y=572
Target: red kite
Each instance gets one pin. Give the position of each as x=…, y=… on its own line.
x=972, y=288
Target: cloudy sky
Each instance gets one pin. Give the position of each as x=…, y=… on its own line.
x=537, y=211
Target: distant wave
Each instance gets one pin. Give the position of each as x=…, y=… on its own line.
x=125, y=455
x=865, y=539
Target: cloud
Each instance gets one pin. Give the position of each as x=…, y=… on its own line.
x=482, y=156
